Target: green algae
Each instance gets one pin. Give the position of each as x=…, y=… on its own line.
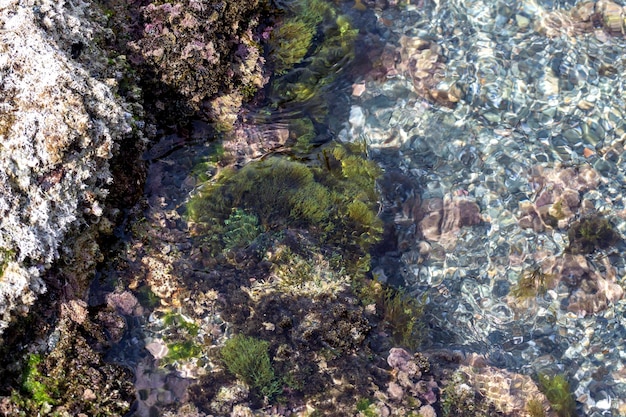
x=180, y=337
x=336, y=200
x=276, y=190
x=290, y=43
x=311, y=47
x=6, y=256
x=403, y=314
x=303, y=132
x=53, y=383
x=557, y=391
x=248, y=359
x=147, y=298
x=294, y=270
x=172, y=319
x=366, y=407
x=240, y=229
x=534, y=407
x=182, y=350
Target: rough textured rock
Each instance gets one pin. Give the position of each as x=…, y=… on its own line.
x=59, y=123
x=199, y=49
x=508, y=391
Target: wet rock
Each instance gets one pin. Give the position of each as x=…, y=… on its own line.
x=583, y=18
x=395, y=391
x=430, y=224
x=402, y=361
x=124, y=302
x=459, y=212
x=197, y=48
x=157, y=348
x=357, y=118
x=612, y=17
x=591, y=291
x=427, y=411
x=408, y=377
x=247, y=143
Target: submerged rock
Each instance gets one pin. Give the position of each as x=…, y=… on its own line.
x=444, y=218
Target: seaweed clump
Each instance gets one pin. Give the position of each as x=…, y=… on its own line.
x=557, y=391
x=401, y=313
x=248, y=359
x=590, y=234
x=533, y=283
x=180, y=337
x=241, y=229
x=334, y=200
x=291, y=41
x=534, y=408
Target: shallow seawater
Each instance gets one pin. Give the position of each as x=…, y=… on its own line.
x=499, y=124
x=504, y=109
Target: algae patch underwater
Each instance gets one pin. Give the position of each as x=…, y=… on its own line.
x=248, y=359
x=335, y=200
x=557, y=391
x=311, y=46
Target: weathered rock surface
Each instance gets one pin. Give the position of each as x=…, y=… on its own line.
x=60, y=120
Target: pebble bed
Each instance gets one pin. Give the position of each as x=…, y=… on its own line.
x=500, y=104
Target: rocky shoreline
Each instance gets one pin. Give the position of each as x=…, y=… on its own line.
x=184, y=235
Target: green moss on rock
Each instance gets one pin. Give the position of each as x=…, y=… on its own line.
x=33, y=382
